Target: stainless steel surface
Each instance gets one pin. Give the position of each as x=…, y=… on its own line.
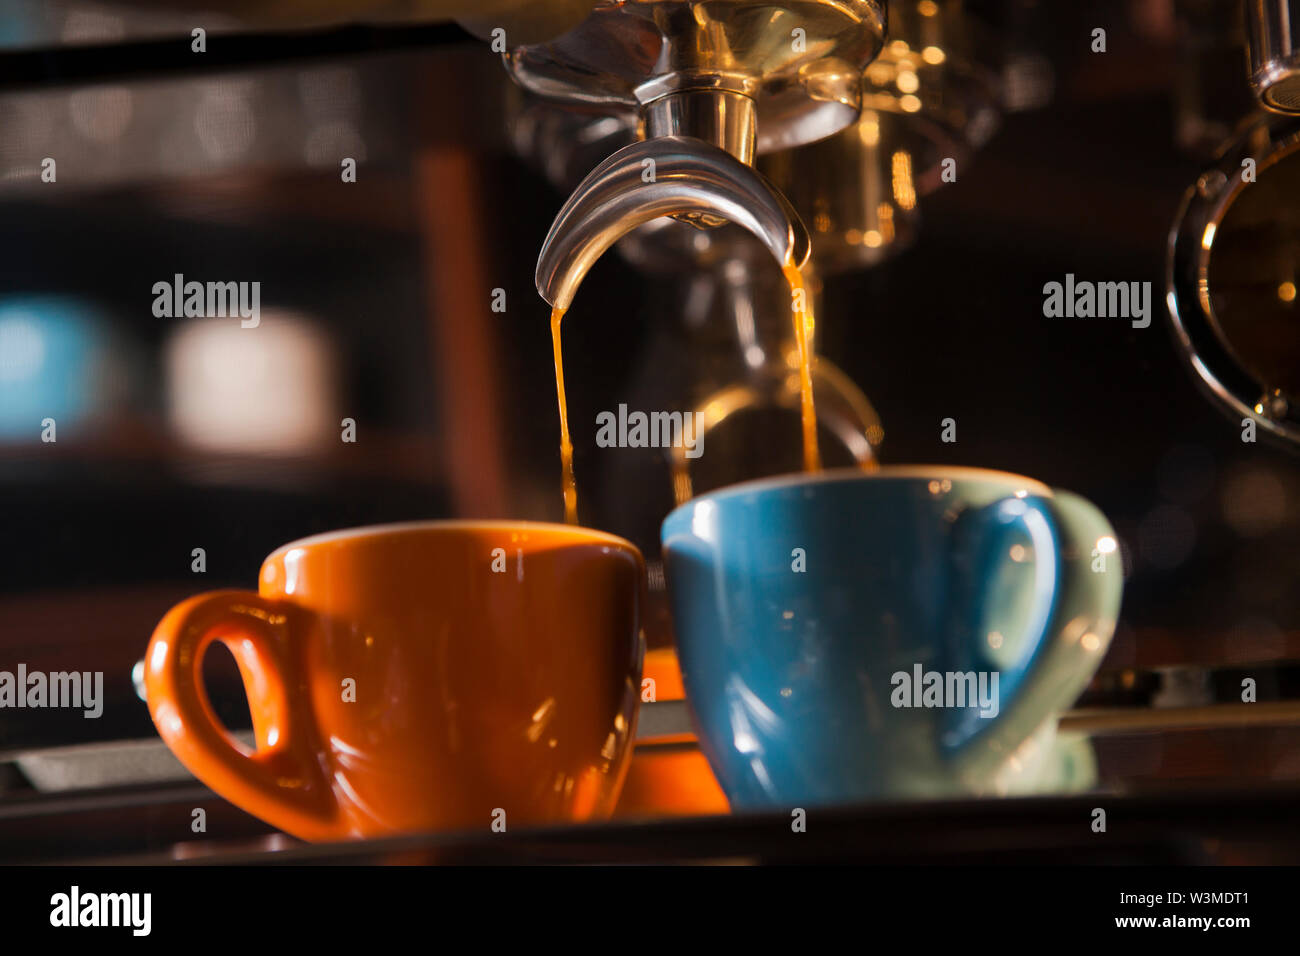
x=563, y=144
x=668, y=176
x=1134, y=720
x=1233, y=353
x=111, y=764
x=1273, y=27
x=661, y=720
x=799, y=60
x=566, y=145
x=671, y=719
x=723, y=118
x=117, y=763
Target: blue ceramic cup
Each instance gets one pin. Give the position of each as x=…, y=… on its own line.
x=911, y=632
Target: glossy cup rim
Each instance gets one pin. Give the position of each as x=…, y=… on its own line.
x=884, y=472
x=579, y=533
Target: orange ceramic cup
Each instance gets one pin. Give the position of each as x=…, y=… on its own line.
x=436, y=675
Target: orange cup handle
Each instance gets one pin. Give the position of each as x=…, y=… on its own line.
x=284, y=781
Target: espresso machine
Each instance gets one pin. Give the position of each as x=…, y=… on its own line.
x=417, y=183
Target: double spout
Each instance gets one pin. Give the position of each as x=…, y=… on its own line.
x=678, y=176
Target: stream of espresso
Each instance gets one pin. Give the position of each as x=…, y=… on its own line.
x=803, y=330
x=568, y=485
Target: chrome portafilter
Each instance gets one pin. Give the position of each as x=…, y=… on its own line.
x=711, y=84
x=749, y=76
x=930, y=99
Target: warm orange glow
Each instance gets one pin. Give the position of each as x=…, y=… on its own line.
x=869, y=129
x=885, y=213
x=587, y=794
x=661, y=666
x=904, y=187
x=670, y=781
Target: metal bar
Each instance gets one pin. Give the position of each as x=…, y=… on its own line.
x=1136, y=720
x=668, y=722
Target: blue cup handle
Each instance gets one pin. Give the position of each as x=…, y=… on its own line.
x=1056, y=568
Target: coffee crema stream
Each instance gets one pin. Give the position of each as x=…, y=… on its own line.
x=568, y=485
x=803, y=327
